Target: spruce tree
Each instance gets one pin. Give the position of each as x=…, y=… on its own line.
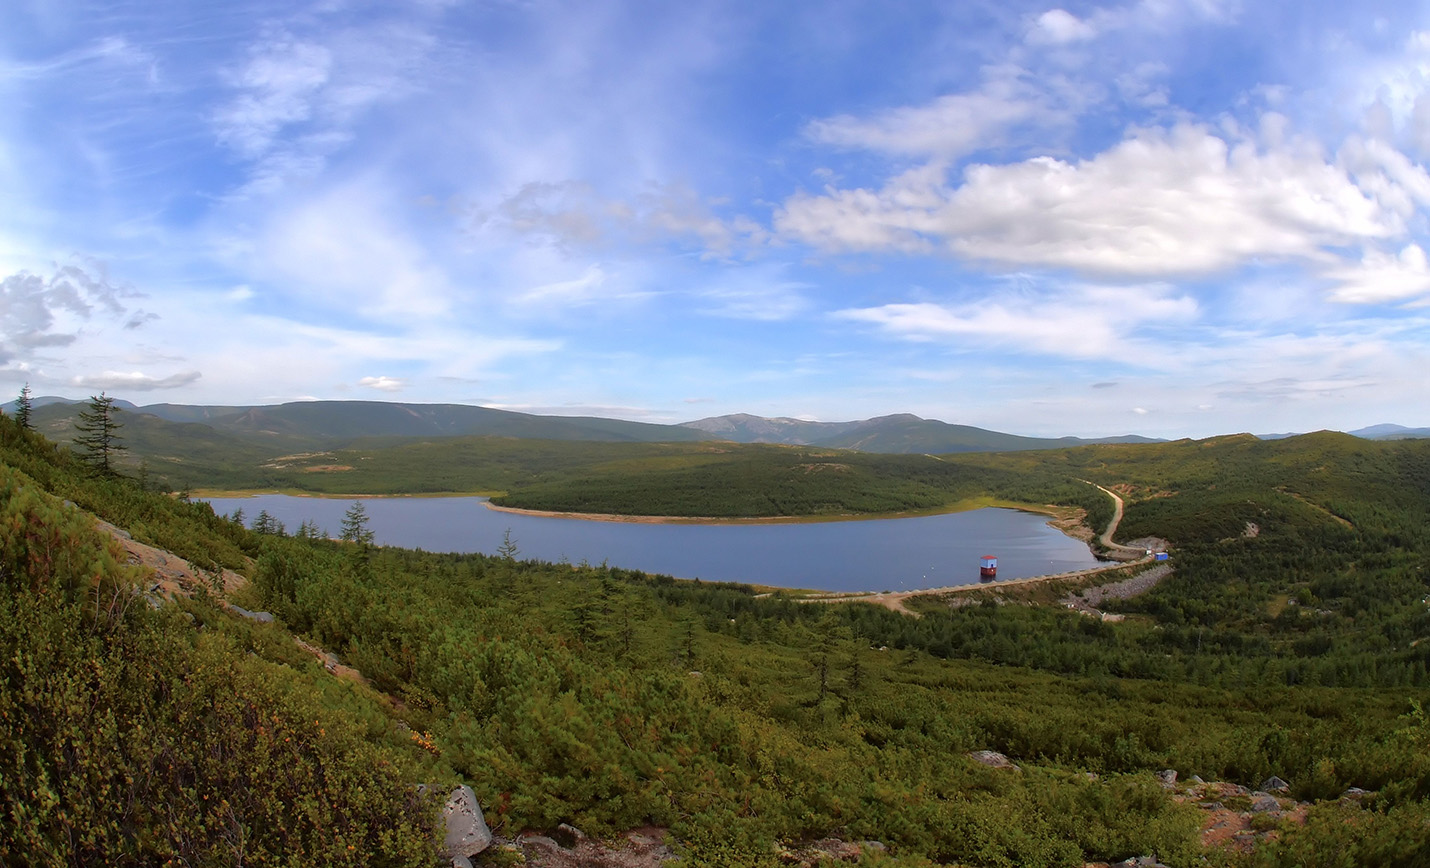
x=99, y=435
x=355, y=525
x=22, y=409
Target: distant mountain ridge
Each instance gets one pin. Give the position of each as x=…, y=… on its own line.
x=898, y=433
x=324, y=423
x=1387, y=431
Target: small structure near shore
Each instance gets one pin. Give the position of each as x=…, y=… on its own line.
x=988, y=567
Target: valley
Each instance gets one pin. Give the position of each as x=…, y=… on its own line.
x=744, y=725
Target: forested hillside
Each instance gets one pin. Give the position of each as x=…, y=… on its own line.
x=744, y=724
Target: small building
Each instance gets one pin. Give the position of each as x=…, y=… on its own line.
x=988, y=567
x=1160, y=556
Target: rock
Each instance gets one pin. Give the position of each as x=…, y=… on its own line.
x=260, y=617
x=1167, y=777
x=833, y=848
x=993, y=759
x=1354, y=794
x=461, y=862
x=1274, y=784
x=1139, y=862
x=467, y=832
x=1262, y=803
x=1196, y=779
x=568, y=836
x=873, y=846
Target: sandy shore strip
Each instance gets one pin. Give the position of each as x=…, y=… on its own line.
x=769, y=519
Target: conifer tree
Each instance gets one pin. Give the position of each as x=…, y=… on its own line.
x=99, y=435
x=355, y=525
x=22, y=409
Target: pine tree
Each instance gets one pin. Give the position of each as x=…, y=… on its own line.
x=99, y=435
x=22, y=409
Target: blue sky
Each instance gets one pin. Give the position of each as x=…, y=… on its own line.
x=1166, y=217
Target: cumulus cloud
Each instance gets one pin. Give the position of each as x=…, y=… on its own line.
x=38, y=311
x=1382, y=277
x=1059, y=27
x=951, y=125
x=134, y=381
x=1181, y=201
x=384, y=384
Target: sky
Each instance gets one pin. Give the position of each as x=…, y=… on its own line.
x=1163, y=217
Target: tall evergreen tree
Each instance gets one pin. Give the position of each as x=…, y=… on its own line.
x=355, y=525
x=22, y=409
x=99, y=435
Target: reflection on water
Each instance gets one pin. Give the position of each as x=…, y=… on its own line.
x=887, y=554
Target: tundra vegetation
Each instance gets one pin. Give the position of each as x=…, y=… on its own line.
x=610, y=699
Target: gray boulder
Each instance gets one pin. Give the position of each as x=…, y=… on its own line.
x=1274, y=784
x=1262, y=803
x=993, y=759
x=467, y=832
x=260, y=617
x=1167, y=777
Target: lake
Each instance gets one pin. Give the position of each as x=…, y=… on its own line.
x=868, y=555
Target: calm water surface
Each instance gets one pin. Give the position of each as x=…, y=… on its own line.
x=887, y=554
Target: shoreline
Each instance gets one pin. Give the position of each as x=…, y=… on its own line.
x=961, y=506
x=1067, y=520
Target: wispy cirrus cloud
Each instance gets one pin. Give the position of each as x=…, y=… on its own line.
x=1088, y=322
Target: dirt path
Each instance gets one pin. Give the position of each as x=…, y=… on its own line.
x=1106, y=538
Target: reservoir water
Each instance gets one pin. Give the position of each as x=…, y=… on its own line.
x=883, y=554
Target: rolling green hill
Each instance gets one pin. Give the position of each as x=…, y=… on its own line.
x=746, y=725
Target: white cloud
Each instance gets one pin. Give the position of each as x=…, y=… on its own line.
x=1059, y=27
x=580, y=290
x=1160, y=203
x=342, y=248
x=277, y=87
x=1083, y=323
x=761, y=293
x=1381, y=277
x=384, y=384
x=950, y=125
x=134, y=381
x=40, y=311
x=573, y=215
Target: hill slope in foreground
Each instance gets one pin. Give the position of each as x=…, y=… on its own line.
x=143, y=724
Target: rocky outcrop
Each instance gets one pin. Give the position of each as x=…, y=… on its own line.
x=467, y=832
x=993, y=759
